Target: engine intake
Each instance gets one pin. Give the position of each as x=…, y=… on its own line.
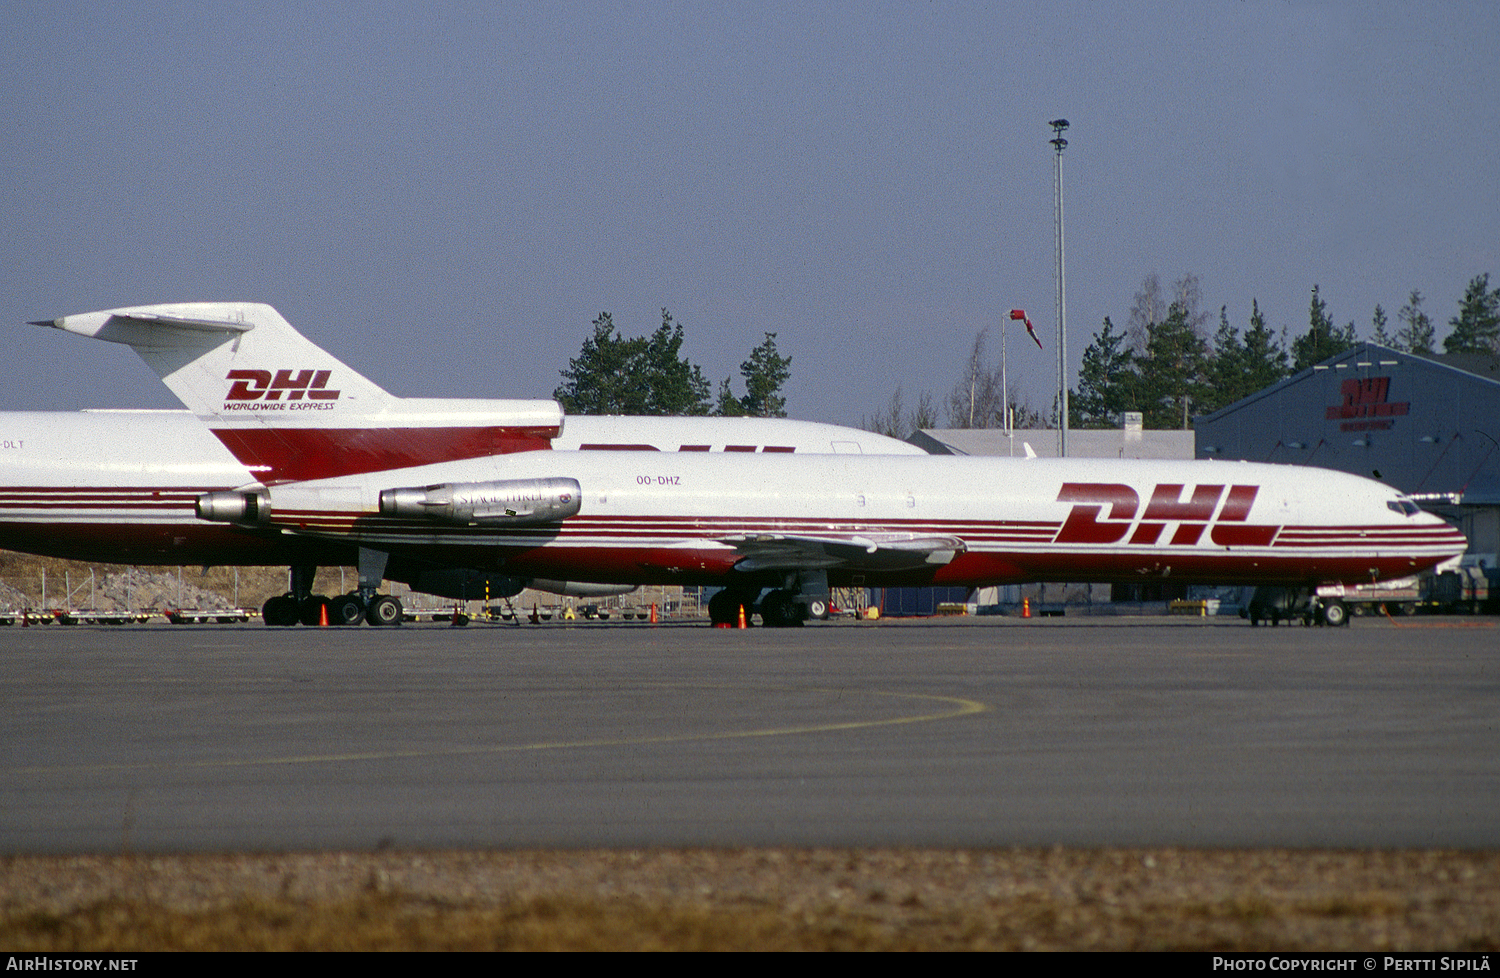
x=508, y=502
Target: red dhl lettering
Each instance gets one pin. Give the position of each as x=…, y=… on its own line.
x=1366, y=398
x=1167, y=504
x=1089, y=499
x=1192, y=511
x=256, y=385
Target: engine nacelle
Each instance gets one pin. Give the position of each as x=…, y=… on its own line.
x=465, y=584
x=509, y=502
x=245, y=506
x=581, y=589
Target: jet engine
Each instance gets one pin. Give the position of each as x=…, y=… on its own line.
x=247, y=506
x=507, y=502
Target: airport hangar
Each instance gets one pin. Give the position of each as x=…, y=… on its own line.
x=1428, y=425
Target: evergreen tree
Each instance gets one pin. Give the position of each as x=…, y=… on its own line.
x=1226, y=367
x=765, y=373
x=1322, y=339
x=1107, y=382
x=600, y=380
x=1173, y=371
x=728, y=405
x=1242, y=367
x=1378, y=335
x=675, y=386
x=640, y=375
x=1265, y=358
x=1416, y=334
x=1476, y=328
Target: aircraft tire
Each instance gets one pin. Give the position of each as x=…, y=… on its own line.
x=778, y=610
x=1335, y=614
x=723, y=608
x=310, y=612
x=280, y=611
x=346, y=609
x=817, y=609
x=383, y=610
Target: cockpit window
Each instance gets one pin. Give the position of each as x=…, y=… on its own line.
x=1403, y=506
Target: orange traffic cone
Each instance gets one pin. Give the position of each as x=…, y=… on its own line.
x=1025, y=607
x=742, y=616
x=322, y=614
x=653, y=613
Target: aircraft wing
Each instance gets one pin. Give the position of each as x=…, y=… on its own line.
x=787, y=552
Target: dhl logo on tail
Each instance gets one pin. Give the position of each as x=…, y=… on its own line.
x=260, y=385
x=1193, y=513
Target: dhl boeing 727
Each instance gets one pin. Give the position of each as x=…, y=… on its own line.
x=314, y=464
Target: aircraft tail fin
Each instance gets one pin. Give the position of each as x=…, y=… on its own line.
x=221, y=357
x=289, y=410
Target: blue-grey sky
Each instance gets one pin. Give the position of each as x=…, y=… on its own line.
x=445, y=195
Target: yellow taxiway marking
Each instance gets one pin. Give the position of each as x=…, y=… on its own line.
x=955, y=707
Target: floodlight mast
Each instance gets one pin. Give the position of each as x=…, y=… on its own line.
x=1059, y=144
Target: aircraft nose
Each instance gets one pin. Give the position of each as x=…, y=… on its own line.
x=1447, y=533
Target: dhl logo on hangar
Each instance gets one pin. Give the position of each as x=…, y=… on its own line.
x=1368, y=401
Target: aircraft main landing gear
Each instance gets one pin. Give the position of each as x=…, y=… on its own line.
x=364, y=605
x=725, y=607
x=384, y=609
x=802, y=596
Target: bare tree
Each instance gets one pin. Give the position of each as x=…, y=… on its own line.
x=1148, y=307
x=1151, y=306
x=1188, y=293
x=889, y=421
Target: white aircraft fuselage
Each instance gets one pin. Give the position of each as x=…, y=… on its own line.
x=718, y=519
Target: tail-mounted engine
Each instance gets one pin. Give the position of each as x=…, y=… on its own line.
x=249, y=507
x=509, y=502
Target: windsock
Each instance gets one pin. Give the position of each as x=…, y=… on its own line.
x=1021, y=315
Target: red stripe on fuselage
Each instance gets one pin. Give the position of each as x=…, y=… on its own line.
x=278, y=455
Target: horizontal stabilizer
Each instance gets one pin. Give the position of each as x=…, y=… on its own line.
x=81, y=324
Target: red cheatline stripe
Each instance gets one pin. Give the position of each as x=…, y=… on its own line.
x=100, y=507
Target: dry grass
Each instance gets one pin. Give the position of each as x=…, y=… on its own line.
x=775, y=899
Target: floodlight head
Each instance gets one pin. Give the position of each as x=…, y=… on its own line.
x=1059, y=124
